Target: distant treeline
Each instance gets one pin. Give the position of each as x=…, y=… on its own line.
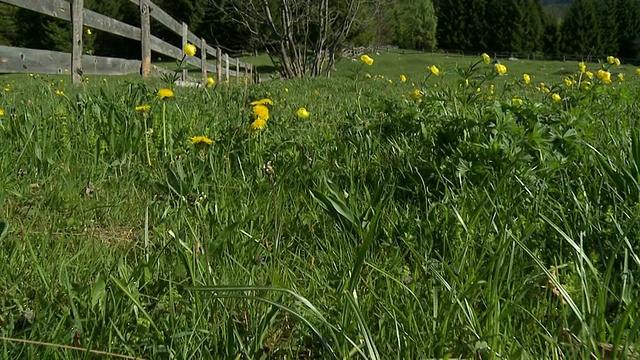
x=583, y=27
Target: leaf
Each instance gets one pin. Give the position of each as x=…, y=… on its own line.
x=97, y=291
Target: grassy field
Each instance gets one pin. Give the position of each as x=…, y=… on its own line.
x=440, y=217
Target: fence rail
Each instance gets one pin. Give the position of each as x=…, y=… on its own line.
x=23, y=60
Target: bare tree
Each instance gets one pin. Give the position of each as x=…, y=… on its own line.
x=301, y=36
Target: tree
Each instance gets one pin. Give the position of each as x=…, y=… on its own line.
x=413, y=24
x=452, y=31
x=580, y=28
x=8, y=29
x=628, y=35
x=302, y=36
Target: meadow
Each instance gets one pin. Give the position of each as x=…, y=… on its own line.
x=461, y=213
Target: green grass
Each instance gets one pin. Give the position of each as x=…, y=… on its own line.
x=459, y=224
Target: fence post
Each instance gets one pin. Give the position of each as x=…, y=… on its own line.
x=185, y=32
x=226, y=67
x=246, y=73
x=237, y=70
x=203, y=57
x=218, y=64
x=145, y=37
x=76, y=54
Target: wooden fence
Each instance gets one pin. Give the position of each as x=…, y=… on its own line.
x=22, y=60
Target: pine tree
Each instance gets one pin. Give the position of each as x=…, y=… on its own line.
x=580, y=28
x=533, y=26
x=413, y=24
x=8, y=29
x=452, y=32
x=628, y=34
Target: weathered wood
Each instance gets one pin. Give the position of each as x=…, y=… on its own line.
x=226, y=66
x=20, y=60
x=104, y=23
x=163, y=18
x=203, y=59
x=237, y=70
x=185, y=32
x=57, y=8
x=219, y=64
x=77, y=7
x=145, y=41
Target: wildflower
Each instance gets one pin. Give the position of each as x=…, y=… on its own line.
x=262, y=102
x=286, y=89
x=316, y=91
x=486, y=58
x=568, y=81
x=143, y=108
x=589, y=74
x=302, y=113
x=638, y=71
x=30, y=75
x=556, y=97
x=616, y=61
x=516, y=101
x=367, y=76
x=258, y=124
x=403, y=78
x=479, y=89
x=492, y=89
x=366, y=59
x=201, y=140
x=390, y=81
x=434, y=70
x=165, y=93
x=261, y=112
x=59, y=92
x=1, y=112
x=585, y=85
x=189, y=49
x=104, y=80
x=89, y=32
x=526, y=78
x=416, y=95
x=621, y=77
x=211, y=81
x=546, y=90
x=582, y=66
x=611, y=59
x=604, y=76
x=501, y=69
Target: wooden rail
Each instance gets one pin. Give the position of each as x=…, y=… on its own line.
x=22, y=60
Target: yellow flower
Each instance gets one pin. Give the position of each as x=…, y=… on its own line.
x=486, y=58
x=516, y=101
x=89, y=32
x=59, y=92
x=1, y=112
x=302, y=113
x=638, y=71
x=189, y=49
x=316, y=92
x=262, y=102
x=30, y=75
x=201, y=140
x=621, y=77
x=583, y=66
x=546, y=90
x=142, y=108
x=434, y=70
x=527, y=78
x=261, y=112
x=286, y=89
x=611, y=59
x=492, y=89
x=104, y=79
x=367, y=76
x=501, y=69
x=585, y=85
x=568, y=81
x=589, y=74
x=479, y=89
x=211, y=81
x=556, y=97
x=604, y=76
x=416, y=95
x=403, y=78
x=165, y=93
x=616, y=61
x=258, y=124
x=366, y=59
x=390, y=81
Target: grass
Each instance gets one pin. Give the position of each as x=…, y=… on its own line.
x=451, y=223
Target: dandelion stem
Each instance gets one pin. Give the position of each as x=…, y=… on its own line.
x=146, y=139
x=164, y=127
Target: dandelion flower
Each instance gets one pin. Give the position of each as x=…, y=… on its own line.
x=501, y=69
x=366, y=59
x=582, y=66
x=258, y=124
x=189, y=49
x=201, y=140
x=262, y=102
x=403, y=78
x=621, y=77
x=434, y=70
x=556, y=97
x=261, y=112
x=604, y=76
x=486, y=58
x=211, y=81
x=526, y=78
x=302, y=113
x=143, y=108
x=165, y=93
x=589, y=74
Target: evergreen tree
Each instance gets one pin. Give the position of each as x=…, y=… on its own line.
x=580, y=28
x=478, y=25
x=8, y=29
x=608, y=27
x=533, y=26
x=551, y=36
x=628, y=34
x=413, y=24
x=506, y=32
x=452, y=32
